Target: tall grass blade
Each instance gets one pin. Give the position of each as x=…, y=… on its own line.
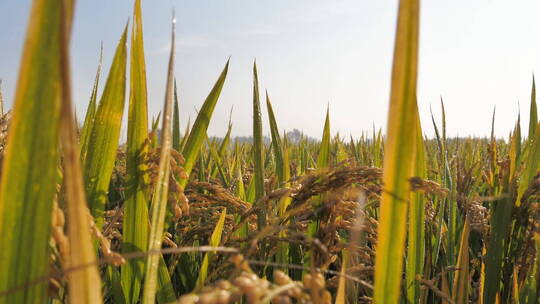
x=29, y=171
x=176, y=121
x=99, y=160
x=135, y=223
x=532, y=162
x=277, y=147
x=286, y=200
x=323, y=159
x=515, y=154
x=398, y=157
x=493, y=155
x=159, y=199
x=533, y=115
x=258, y=149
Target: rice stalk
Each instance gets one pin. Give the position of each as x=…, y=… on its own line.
x=159, y=198
x=99, y=161
x=258, y=150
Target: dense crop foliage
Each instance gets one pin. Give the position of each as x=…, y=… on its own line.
x=180, y=216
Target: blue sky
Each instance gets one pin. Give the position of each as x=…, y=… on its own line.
x=476, y=54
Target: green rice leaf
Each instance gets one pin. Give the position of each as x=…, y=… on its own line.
x=176, y=121
x=398, y=157
x=515, y=153
x=532, y=163
x=533, y=114
x=323, y=159
x=197, y=135
x=136, y=222
x=99, y=160
x=285, y=201
x=30, y=162
x=277, y=147
x=258, y=150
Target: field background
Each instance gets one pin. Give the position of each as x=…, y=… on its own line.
x=174, y=215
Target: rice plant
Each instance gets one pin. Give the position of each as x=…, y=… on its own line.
x=175, y=215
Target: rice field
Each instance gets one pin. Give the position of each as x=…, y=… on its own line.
x=175, y=216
